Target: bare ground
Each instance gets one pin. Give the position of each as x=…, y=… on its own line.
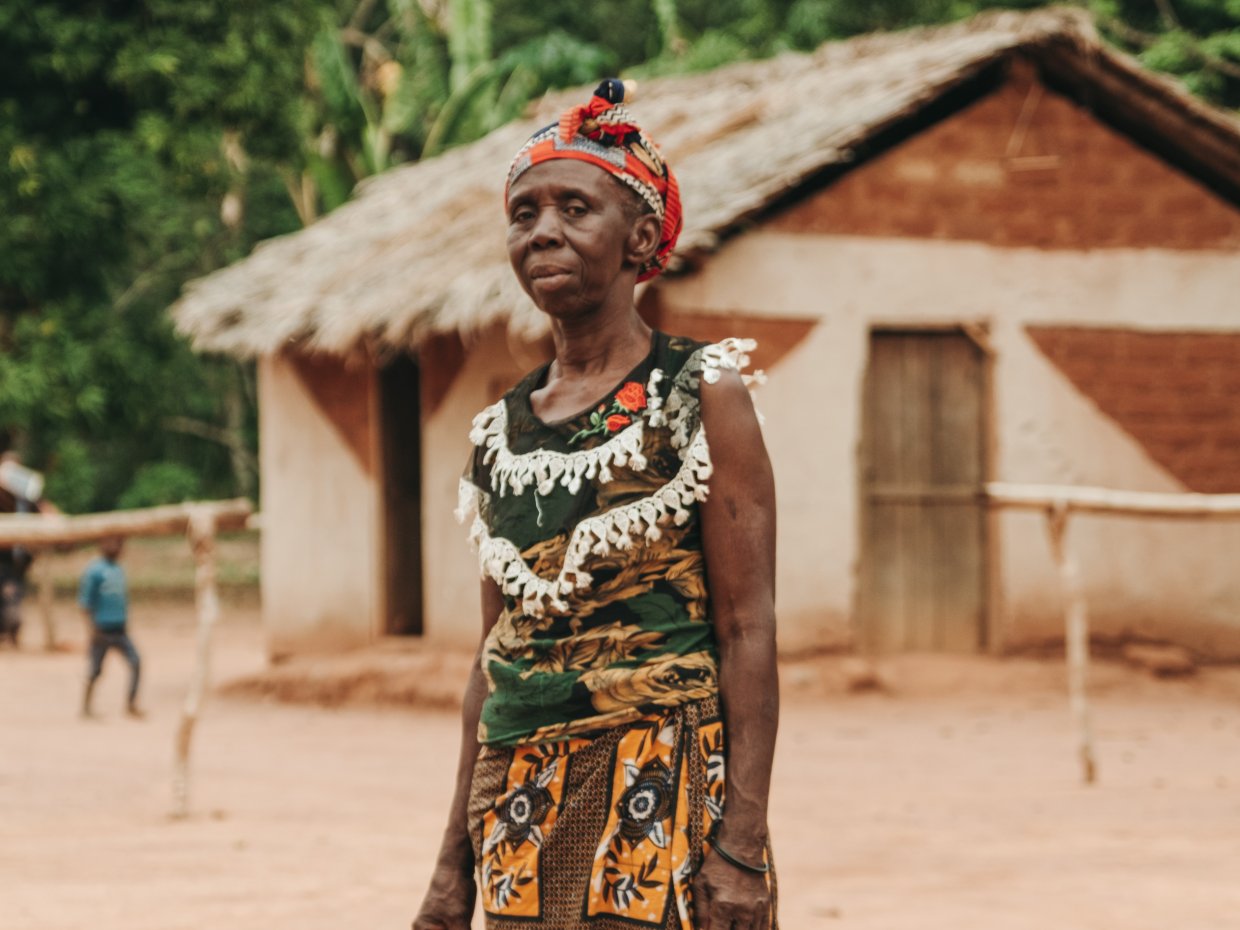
x=949, y=799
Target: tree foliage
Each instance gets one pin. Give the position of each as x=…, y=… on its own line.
x=122, y=125
x=1196, y=40
x=147, y=142
x=390, y=82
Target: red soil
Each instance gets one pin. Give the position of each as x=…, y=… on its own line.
x=947, y=799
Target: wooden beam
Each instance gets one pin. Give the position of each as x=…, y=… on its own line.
x=41, y=530
x=1103, y=500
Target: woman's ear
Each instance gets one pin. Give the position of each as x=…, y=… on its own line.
x=644, y=239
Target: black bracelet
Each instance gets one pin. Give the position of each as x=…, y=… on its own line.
x=728, y=857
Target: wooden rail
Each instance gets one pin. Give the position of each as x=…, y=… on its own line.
x=1058, y=503
x=200, y=522
x=37, y=530
x=1104, y=500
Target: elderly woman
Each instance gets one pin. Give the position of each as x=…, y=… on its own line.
x=620, y=723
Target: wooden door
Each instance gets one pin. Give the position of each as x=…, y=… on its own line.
x=400, y=423
x=923, y=571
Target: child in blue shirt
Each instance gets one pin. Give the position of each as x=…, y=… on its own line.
x=105, y=599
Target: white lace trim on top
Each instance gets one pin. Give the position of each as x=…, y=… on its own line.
x=731, y=354
x=543, y=469
x=616, y=529
x=680, y=413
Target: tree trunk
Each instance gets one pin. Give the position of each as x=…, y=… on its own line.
x=244, y=477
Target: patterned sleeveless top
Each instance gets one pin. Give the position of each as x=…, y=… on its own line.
x=590, y=528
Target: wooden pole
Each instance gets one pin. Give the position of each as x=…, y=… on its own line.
x=41, y=568
x=201, y=531
x=1076, y=635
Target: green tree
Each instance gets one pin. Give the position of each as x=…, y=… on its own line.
x=1196, y=40
x=389, y=83
x=136, y=133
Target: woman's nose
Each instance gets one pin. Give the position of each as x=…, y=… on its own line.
x=546, y=230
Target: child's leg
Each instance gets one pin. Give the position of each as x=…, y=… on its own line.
x=98, y=649
x=135, y=668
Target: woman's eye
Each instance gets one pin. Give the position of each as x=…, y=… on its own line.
x=522, y=215
x=575, y=209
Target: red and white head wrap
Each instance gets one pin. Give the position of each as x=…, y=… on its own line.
x=602, y=132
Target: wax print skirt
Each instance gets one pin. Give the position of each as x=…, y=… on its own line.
x=601, y=833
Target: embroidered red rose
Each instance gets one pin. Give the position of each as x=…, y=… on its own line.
x=632, y=397
x=613, y=417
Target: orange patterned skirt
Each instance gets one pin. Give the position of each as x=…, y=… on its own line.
x=602, y=833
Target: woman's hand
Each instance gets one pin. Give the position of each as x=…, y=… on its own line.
x=728, y=898
x=449, y=902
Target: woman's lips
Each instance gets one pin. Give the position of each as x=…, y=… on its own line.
x=547, y=271
x=545, y=275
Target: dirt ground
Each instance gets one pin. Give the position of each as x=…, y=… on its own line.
x=948, y=800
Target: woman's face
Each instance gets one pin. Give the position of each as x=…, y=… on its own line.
x=572, y=239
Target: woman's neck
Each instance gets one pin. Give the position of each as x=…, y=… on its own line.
x=598, y=343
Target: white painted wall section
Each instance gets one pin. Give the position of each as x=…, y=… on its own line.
x=320, y=577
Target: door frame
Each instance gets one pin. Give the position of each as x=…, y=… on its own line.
x=979, y=332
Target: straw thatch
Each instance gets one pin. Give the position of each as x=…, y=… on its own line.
x=420, y=250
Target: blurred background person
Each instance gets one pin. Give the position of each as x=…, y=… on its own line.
x=21, y=491
x=105, y=598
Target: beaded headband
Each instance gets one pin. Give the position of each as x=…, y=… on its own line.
x=603, y=133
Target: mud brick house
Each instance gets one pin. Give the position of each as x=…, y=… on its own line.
x=995, y=251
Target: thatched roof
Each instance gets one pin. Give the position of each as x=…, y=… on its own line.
x=420, y=250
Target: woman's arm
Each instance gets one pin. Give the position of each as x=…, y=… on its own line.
x=738, y=539
x=449, y=902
